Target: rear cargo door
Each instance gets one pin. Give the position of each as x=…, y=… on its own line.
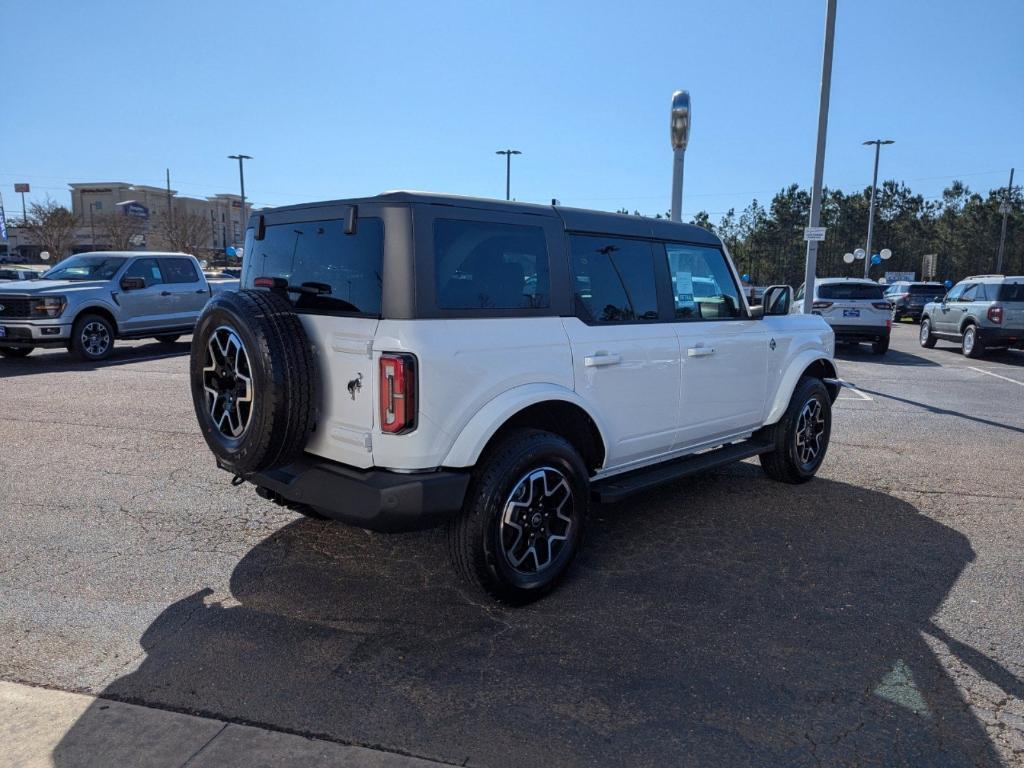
x=335, y=284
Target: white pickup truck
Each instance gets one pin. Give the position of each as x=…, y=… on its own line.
x=412, y=359
x=87, y=301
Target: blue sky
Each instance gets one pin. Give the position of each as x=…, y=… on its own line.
x=338, y=99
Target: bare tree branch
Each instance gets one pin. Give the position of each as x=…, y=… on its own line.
x=53, y=227
x=185, y=232
x=118, y=230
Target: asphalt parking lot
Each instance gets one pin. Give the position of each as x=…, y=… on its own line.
x=873, y=616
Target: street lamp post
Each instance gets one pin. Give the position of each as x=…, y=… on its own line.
x=1005, y=210
x=871, y=210
x=679, y=128
x=508, y=169
x=241, y=181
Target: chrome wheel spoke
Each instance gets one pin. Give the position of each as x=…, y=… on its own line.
x=227, y=382
x=537, y=520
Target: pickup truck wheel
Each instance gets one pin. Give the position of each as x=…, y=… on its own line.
x=523, y=519
x=92, y=338
x=925, y=336
x=254, y=379
x=168, y=338
x=971, y=343
x=16, y=351
x=801, y=435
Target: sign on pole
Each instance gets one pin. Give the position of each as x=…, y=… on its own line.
x=815, y=234
x=18, y=187
x=929, y=265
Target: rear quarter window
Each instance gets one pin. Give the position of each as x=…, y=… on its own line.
x=490, y=265
x=849, y=291
x=1013, y=292
x=337, y=273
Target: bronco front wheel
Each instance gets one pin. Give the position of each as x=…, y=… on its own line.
x=801, y=436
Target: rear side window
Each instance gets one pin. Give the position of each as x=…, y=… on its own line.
x=329, y=270
x=849, y=291
x=614, y=279
x=179, y=271
x=489, y=265
x=147, y=269
x=702, y=285
x=1011, y=292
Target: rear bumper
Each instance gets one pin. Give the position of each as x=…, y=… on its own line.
x=375, y=499
x=1002, y=337
x=860, y=332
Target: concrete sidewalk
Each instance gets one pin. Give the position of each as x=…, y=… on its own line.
x=42, y=728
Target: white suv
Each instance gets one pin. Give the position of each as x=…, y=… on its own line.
x=412, y=359
x=855, y=308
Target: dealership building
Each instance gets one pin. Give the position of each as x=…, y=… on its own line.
x=91, y=201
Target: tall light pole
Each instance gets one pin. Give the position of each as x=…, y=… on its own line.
x=679, y=129
x=1005, y=210
x=508, y=169
x=811, y=264
x=871, y=211
x=241, y=181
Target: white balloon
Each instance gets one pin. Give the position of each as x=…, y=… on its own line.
x=848, y=258
x=859, y=253
x=45, y=255
x=885, y=253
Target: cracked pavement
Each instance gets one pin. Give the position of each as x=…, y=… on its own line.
x=872, y=617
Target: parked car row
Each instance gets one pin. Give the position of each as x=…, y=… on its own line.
x=86, y=302
x=981, y=313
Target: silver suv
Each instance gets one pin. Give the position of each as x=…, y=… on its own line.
x=980, y=313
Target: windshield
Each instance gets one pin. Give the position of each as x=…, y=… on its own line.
x=928, y=289
x=86, y=268
x=849, y=291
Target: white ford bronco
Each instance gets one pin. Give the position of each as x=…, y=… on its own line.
x=412, y=359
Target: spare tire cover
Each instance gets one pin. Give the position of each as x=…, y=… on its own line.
x=255, y=380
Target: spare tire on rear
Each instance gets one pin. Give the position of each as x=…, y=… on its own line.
x=255, y=380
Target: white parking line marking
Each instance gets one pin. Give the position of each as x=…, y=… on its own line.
x=860, y=395
x=1004, y=378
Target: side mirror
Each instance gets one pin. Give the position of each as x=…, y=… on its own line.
x=132, y=283
x=778, y=300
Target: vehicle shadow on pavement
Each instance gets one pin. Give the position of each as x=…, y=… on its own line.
x=723, y=620
x=862, y=352
x=53, y=361
x=941, y=411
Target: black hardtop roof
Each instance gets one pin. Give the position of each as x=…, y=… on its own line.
x=574, y=219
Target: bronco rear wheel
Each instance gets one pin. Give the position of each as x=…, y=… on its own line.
x=255, y=383
x=523, y=519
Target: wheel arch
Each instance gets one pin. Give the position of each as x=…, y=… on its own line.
x=547, y=407
x=102, y=311
x=809, y=363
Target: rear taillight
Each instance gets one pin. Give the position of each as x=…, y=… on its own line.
x=995, y=314
x=821, y=305
x=880, y=304
x=397, y=392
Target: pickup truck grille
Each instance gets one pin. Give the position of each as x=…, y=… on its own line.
x=11, y=306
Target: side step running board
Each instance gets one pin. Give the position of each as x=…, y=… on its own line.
x=616, y=488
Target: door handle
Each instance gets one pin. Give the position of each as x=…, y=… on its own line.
x=700, y=351
x=165, y=293
x=201, y=290
x=601, y=358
